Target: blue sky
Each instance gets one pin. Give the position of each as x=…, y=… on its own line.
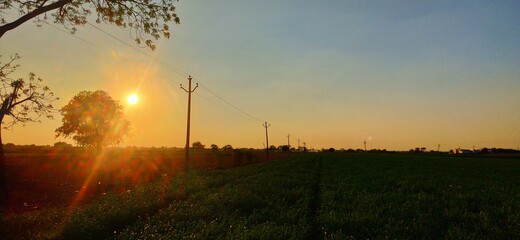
x=403, y=74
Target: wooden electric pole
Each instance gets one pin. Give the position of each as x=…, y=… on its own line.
x=189, y=91
x=266, y=140
x=289, y=145
x=365, y=145
x=298, y=146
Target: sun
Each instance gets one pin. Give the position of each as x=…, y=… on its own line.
x=133, y=99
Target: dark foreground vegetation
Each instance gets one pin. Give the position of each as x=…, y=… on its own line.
x=43, y=176
x=311, y=196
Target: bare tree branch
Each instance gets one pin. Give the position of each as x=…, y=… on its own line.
x=23, y=100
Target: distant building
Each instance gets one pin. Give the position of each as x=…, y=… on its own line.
x=461, y=151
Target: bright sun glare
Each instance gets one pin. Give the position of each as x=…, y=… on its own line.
x=133, y=99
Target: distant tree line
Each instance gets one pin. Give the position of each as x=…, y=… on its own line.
x=485, y=151
x=272, y=148
x=351, y=150
x=498, y=150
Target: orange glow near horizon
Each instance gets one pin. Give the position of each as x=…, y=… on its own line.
x=427, y=84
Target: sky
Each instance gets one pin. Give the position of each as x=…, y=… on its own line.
x=397, y=74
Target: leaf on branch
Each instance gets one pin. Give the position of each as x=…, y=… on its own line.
x=141, y=16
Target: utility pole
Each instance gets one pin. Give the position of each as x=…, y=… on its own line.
x=266, y=140
x=189, y=91
x=288, y=144
x=365, y=145
x=438, y=148
x=298, y=146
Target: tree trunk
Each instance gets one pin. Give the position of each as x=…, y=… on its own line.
x=3, y=178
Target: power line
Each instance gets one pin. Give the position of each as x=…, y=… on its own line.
x=247, y=115
x=105, y=51
x=225, y=108
x=177, y=71
x=168, y=66
x=232, y=105
x=81, y=39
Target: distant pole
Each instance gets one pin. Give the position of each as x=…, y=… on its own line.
x=438, y=148
x=298, y=146
x=365, y=145
x=288, y=144
x=304, y=147
x=189, y=91
x=266, y=140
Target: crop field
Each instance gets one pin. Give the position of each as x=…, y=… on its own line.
x=420, y=197
x=310, y=196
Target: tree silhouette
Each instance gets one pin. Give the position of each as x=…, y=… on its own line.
x=142, y=17
x=284, y=148
x=93, y=119
x=214, y=147
x=227, y=148
x=23, y=101
x=198, y=145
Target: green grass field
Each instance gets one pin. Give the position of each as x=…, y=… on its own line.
x=315, y=196
x=420, y=197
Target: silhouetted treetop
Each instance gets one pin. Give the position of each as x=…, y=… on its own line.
x=214, y=147
x=227, y=148
x=198, y=145
x=93, y=119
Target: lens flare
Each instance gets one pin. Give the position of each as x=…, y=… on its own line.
x=133, y=99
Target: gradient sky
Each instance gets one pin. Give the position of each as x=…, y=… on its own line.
x=398, y=74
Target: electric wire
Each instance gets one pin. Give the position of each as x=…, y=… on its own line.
x=230, y=104
x=104, y=51
x=177, y=70
x=243, y=114
x=220, y=106
x=181, y=73
x=168, y=66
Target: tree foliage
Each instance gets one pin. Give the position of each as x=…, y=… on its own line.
x=227, y=148
x=23, y=100
x=143, y=17
x=284, y=148
x=198, y=145
x=214, y=147
x=93, y=119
